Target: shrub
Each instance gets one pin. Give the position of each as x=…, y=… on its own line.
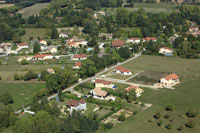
x=135, y=112
x=191, y=113
x=16, y=77
x=160, y=123
x=169, y=108
x=190, y=124
x=24, y=62
x=122, y=117
x=30, y=75
x=166, y=116
x=180, y=128
x=136, y=102
x=77, y=88
x=6, y=98
x=0, y=78
x=157, y=115
x=142, y=104
x=113, y=108
x=108, y=125
x=168, y=126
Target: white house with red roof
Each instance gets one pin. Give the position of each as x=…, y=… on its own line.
x=76, y=105
x=133, y=40
x=98, y=93
x=22, y=45
x=167, y=50
x=43, y=57
x=79, y=57
x=123, y=71
x=100, y=83
x=193, y=28
x=75, y=42
x=170, y=80
x=147, y=39
x=136, y=89
x=77, y=65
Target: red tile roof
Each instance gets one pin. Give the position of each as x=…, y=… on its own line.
x=103, y=82
x=22, y=44
x=78, y=64
x=100, y=92
x=80, y=56
x=194, y=27
x=71, y=43
x=171, y=76
x=122, y=69
x=75, y=103
x=118, y=43
x=134, y=38
x=149, y=38
x=131, y=88
x=59, y=18
x=41, y=55
x=167, y=48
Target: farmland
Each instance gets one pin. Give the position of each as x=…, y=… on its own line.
x=32, y=10
x=35, y=33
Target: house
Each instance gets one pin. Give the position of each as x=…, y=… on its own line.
x=50, y=70
x=133, y=40
x=79, y=57
x=76, y=105
x=22, y=45
x=98, y=93
x=170, y=80
x=193, y=28
x=52, y=49
x=166, y=51
x=137, y=90
x=118, y=43
x=43, y=42
x=77, y=65
x=99, y=83
x=59, y=19
x=106, y=35
x=63, y=35
x=43, y=57
x=147, y=39
x=75, y=42
x=99, y=13
x=123, y=71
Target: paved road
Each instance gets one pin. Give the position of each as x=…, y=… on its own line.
x=88, y=79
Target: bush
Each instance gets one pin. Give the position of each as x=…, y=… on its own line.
x=169, y=108
x=6, y=98
x=135, y=112
x=142, y=104
x=180, y=128
x=16, y=77
x=191, y=113
x=166, y=116
x=0, y=78
x=112, y=109
x=136, y=102
x=108, y=125
x=24, y=62
x=77, y=88
x=190, y=124
x=157, y=115
x=30, y=75
x=160, y=123
x=168, y=126
x=122, y=117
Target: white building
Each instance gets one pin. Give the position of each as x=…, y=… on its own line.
x=79, y=57
x=136, y=89
x=98, y=93
x=43, y=42
x=99, y=83
x=77, y=65
x=169, y=80
x=167, y=50
x=43, y=57
x=133, y=40
x=63, y=35
x=22, y=45
x=123, y=71
x=51, y=49
x=76, y=105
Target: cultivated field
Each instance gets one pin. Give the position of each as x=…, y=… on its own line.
x=183, y=98
x=35, y=33
x=6, y=5
x=32, y=10
x=22, y=93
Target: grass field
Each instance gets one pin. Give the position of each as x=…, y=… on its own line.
x=32, y=10
x=21, y=92
x=153, y=8
x=184, y=97
x=35, y=33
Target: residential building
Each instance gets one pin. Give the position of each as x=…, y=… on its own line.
x=77, y=65
x=43, y=57
x=133, y=40
x=107, y=35
x=166, y=51
x=100, y=83
x=76, y=105
x=63, y=35
x=59, y=19
x=123, y=71
x=79, y=57
x=98, y=93
x=147, y=39
x=52, y=49
x=75, y=42
x=50, y=70
x=136, y=89
x=118, y=43
x=22, y=45
x=99, y=13
x=43, y=42
x=170, y=80
x=193, y=28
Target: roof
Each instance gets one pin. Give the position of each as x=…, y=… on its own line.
x=80, y=56
x=118, y=43
x=75, y=103
x=149, y=38
x=122, y=69
x=100, y=92
x=134, y=38
x=51, y=47
x=72, y=43
x=194, y=27
x=78, y=64
x=171, y=76
x=50, y=70
x=22, y=44
x=59, y=18
x=103, y=82
x=167, y=48
x=131, y=88
x=41, y=55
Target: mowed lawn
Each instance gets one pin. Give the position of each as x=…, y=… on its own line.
x=22, y=93
x=32, y=10
x=35, y=33
x=183, y=98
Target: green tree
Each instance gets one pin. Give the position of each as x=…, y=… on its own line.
x=36, y=47
x=24, y=62
x=30, y=75
x=44, y=73
x=87, y=69
x=6, y=98
x=122, y=117
x=54, y=33
x=124, y=52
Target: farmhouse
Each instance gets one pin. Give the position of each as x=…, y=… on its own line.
x=137, y=90
x=170, y=80
x=118, y=43
x=63, y=35
x=79, y=57
x=133, y=40
x=52, y=49
x=98, y=93
x=123, y=71
x=147, y=39
x=77, y=65
x=22, y=45
x=43, y=57
x=166, y=51
x=99, y=83
x=76, y=105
